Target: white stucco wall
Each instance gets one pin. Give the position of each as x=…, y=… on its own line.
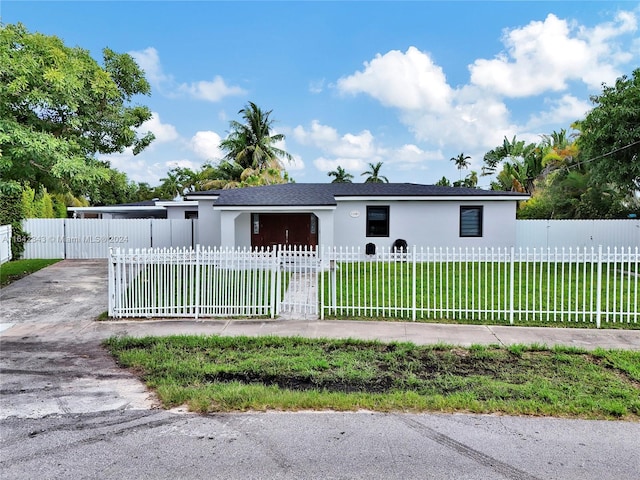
x=326, y=227
x=426, y=224
x=176, y=212
x=243, y=230
x=421, y=223
x=208, y=231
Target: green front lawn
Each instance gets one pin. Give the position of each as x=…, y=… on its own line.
x=16, y=269
x=480, y=292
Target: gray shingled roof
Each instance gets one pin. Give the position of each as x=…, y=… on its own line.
x=318, y=194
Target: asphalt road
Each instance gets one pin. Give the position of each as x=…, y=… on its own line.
x=68, y=412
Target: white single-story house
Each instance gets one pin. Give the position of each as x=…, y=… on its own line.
x=337, y=214
x=356, y=214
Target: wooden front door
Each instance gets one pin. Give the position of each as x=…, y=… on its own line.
x=295, y=229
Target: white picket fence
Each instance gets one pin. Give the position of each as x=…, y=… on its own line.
x=584, y=286
x=211, y=282
x=5, y=243
x=488, y=284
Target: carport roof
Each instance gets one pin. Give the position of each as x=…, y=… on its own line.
x=327, y=194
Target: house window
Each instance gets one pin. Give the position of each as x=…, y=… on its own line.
x=470, y=221
x=378, y=221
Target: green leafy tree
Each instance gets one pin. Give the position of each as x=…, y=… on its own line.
x=373, y=174
x=521, y=165
x=572, y=194
x=12, y=214
x=226, y=175
x=144, y=191
x=610, y=138
x=443, y=182
x=59, y=108
x=470, y=181
x=340, y=175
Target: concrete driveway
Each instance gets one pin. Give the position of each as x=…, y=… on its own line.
x=52, y=361
x=68, y=411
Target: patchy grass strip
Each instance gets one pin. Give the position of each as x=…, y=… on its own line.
x=16, y=269
x=212, y=374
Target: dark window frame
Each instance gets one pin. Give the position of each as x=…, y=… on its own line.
x=478, y=231
x=370, y=227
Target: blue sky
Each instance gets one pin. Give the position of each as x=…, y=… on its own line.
x=410, y=84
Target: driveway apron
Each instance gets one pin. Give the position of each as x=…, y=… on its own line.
x=51, y=359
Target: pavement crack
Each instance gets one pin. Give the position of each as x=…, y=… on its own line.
x=504, y=469
x=495, y=336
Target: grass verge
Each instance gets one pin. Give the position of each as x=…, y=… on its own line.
x=212, y=374
x=16, y=269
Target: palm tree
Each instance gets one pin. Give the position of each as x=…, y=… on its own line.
x=374, y=174
x=251, y=144
x=170, y=185
x=341, y=175
x=461, y=162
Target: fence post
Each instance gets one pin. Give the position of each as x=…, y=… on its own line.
x=197, y=299
x=413, y=286
x=321, y=272
x=511, y=285
x=111, y=283
x=332, y=268
x=275, y=283
x=599, y=288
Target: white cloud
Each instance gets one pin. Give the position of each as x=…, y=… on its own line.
x=565, y=110
x=349, y=164
x=360, y=145
x=409, y=81
x=318, y=135
x=164, y=132
x=411, y=155
x=328, y=140
x=354, y=152
x=295, y=164
x=316, y=86
x=544, y=56
x=136, y=167
x=206, y=144
x=183, y=163
x=474, y=120
x=211, y=91
x=435, y=112
x=149, y=60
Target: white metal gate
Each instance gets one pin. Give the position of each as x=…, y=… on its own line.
x=299, y=270
x=214, y=282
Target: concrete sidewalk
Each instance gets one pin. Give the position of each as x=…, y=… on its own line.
x=418, y=333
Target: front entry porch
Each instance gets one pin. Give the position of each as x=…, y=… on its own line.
x=289, y=229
